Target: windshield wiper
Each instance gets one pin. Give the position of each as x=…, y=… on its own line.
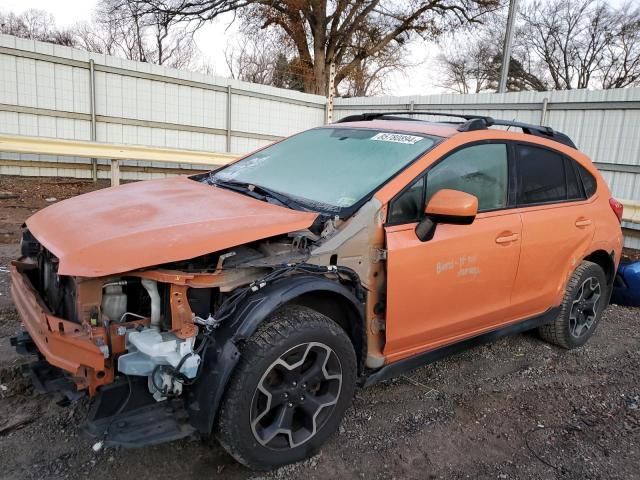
x=259, y=192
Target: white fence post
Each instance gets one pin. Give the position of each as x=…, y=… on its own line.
x=331, y=93
x=92, y=105
x=543, y=112
x=229, y=93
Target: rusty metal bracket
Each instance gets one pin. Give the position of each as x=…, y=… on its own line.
x=181, y=315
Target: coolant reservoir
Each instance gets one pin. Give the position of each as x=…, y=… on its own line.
x=114, y=302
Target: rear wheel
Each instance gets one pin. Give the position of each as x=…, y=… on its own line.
x=584, y=301
x=289, y=392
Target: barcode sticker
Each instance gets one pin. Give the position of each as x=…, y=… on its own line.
x=396, y=138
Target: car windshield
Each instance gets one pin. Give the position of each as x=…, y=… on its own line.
x=327, y=169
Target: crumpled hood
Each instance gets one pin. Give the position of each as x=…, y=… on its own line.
x=142, y=224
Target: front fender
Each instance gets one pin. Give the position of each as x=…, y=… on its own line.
x=219, y=362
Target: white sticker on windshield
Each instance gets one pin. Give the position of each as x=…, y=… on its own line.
x=396, y=138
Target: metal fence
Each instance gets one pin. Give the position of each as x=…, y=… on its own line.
x=58, y=92
x=605, y=124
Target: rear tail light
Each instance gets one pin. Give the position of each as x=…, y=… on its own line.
x=617, y=208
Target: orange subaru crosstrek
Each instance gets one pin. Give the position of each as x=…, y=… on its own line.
x=250, y=301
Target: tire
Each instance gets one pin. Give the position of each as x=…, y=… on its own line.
x=580, y=311
x=296, y=344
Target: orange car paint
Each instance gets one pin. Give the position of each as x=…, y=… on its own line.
x=458, y=282
x=452, y=202
x=504, y=267
x=149, y=223
x=514, y=281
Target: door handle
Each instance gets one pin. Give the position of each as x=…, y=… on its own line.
x=583, y=222
x=502, y=240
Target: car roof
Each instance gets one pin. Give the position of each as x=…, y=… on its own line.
x=463, y=123
x=405, y=126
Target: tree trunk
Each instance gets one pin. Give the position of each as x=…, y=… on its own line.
x=320, y=73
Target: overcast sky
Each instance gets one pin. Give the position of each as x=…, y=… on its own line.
x=212, y=41
x=213, y=38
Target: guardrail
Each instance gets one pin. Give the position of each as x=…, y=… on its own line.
x=117, y=152
x=631, y=212
x=110, y=151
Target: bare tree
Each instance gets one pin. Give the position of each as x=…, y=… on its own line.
x=346, y=33
x=36, y=25
x=467, y=68
x=96, y=38
x=367, y=75
x=472, y=59
x=173, y=43
x=585, y=43
x=268, y=57
x=253, y=59
x=559, y=44
x=125, y=28
x=621, y=64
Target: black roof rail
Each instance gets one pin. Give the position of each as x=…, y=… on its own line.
x=538, y=131
x=472, y=122
x=364, y=117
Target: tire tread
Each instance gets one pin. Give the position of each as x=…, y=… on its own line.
x=268, y=336
x=556, y=332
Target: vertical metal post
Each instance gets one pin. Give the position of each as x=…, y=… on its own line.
x=506, y=51
x=229, y=92
x=543, y=112
x=115, y=172
x=331, y=92
x=412, y=105
x=92, y=106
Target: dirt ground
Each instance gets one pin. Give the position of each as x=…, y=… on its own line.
x=517, y=409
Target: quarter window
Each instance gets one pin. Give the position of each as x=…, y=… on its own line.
x=541, y=176
x=588, y=181
x=408, y=207
x=574, y=184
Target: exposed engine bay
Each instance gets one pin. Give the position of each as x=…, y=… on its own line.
x=156, y=346
x=158, y=323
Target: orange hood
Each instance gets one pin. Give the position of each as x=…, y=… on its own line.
x=143, y=224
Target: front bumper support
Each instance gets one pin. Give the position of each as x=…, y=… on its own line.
x=66, y=345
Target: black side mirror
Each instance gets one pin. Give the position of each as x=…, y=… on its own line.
x=426, y=229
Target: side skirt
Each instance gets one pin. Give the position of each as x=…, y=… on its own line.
x=411, y=363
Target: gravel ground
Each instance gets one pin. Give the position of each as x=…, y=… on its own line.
x=516, y=409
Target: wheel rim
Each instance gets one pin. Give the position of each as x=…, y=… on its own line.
x=584, y=308
x=296, y=396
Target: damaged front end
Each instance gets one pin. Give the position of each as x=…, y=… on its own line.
x=154, y=347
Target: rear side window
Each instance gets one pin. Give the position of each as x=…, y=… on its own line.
x=541, y=176
x=588, y=181
x=574, y=184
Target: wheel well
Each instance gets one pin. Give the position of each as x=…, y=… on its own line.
x=341, y=311
x=605, y=261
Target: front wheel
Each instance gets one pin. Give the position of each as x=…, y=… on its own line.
x=290, y=390
x=584, y=301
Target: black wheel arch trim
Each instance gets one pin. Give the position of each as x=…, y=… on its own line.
x=204, y=398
